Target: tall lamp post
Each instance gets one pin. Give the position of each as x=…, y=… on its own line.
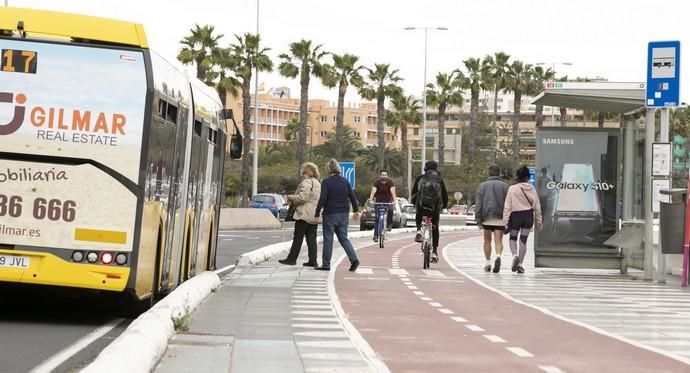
x=255, y=168
x=553, y=68
x=426, y=31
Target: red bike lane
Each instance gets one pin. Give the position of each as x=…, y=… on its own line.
x=440, y=321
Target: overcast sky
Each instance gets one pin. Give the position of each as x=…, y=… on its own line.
x=600, y=38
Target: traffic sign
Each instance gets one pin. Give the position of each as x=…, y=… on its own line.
x=532, y=175
x=347, y=169
x=663, y=74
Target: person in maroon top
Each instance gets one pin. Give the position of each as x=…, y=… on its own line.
x=383, y=191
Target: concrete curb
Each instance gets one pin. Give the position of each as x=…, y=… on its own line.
x=139, y=348
x=266, y=253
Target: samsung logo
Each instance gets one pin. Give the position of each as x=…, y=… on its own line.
x=557, y=141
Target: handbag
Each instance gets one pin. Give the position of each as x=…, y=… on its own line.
x=290, y=216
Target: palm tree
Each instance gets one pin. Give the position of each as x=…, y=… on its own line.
x=540, y=76
x=291, y=130
x=304, y=60
x=407, y=112
x=222, y=73
x=344, y=140
x=247, y=55
x=494, y=69
x=369, y=156
x=446, y=92
x=198, y=48
x=474, y=82
x=382, y=83
x=519, y=81
x=343, y=73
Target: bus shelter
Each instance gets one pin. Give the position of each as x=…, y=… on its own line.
x=590, y=181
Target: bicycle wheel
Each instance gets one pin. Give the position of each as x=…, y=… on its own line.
x=381, y=232
x=427, y=254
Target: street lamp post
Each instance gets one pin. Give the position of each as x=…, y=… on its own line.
x=255, y=173
x=426, y=31
x=553, y=68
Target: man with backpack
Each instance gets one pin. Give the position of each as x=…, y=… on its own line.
x=429, y=196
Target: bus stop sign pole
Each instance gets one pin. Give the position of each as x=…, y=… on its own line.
x=686, y=240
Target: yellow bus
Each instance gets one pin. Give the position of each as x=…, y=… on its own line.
x=111, y=158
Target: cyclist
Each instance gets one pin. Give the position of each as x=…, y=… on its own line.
x=429, y=196
x=383, y=191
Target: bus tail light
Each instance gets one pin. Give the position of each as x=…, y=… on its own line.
x=92, y=257
x=121, y=259
x=77, y=256
x=106, y=258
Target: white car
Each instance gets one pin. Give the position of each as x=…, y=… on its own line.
x=470, y=218
x=410, y=212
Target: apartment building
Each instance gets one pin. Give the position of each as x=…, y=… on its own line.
x=277, y=107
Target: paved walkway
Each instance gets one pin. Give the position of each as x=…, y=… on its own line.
x=274, y=318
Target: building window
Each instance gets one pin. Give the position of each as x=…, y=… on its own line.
x=323, y=134
x=415, y=132
x=334, y=119
x=357, y=119
x=324, y=119
x=450, y=131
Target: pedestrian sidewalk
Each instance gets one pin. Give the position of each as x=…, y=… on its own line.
x=643, y=313
x=269, y=318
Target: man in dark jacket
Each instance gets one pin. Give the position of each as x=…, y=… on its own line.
x=431, y=175
x=489, y=200
x=336, y=192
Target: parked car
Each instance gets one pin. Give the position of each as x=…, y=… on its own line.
x=368, y=217
x=410, y=214
x=457, y=209
x=273, y=202
x=470, y=218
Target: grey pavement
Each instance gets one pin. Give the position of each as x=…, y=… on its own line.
x=642, y=312
x=269, y=318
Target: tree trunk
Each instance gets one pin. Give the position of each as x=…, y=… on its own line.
x=540, y=115
x=516, y=128
x=406, y=158
x=381, y=128
x=564, y=119
x=303, y=116
x=474, y=116
x=600, y=119
x=494, y=129
x=247, y=141
x=339, y=117
x=441, y=135
x=200, y=72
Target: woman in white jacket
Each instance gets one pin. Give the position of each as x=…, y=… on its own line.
x=520, y=211
x=305, y=198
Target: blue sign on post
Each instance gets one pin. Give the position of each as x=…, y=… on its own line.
x=347, y=169
x=532, y=175
x=663, y=74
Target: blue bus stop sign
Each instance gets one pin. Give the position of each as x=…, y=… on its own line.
x=533, y=175
x=663, y=74
x=347, y=169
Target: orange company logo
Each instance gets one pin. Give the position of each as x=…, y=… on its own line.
x=61, y=119
x=19, y=111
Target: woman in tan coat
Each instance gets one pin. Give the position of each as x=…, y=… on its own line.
x=305, y=199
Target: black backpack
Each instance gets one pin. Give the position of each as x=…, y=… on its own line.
x=429, y=191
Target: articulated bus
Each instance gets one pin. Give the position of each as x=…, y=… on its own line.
x=111, y=158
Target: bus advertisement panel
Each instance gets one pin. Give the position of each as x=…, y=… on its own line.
x=71, y=124
x=577, y=185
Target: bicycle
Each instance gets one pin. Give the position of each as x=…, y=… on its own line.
x=427, y=227
x=381, y=209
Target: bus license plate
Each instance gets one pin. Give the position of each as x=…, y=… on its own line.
x=14, y=261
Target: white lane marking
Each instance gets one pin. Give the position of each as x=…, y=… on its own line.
x=459, y=319
x=445, y=311
x=474, y=328
x=313, y=306
x=329, y=334
x=314, y=297
x=365, y=271
x=433, y=273
x=318, y=326
x=418, y=293
x=494, y=338
x=397, y=271
x=326, y=344
x=313, y=313
x=56, y=360
x=435, y=304
x=297, y=301
x=426, y=299
x=331, y=356
x=550, y=369
x=331, y=319
x=519, y=351
x=412, y=287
